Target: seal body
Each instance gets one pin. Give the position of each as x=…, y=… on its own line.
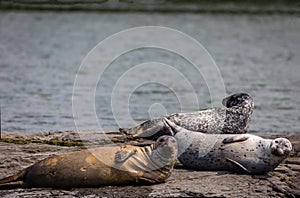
x=234, y=118
x=243, y=153
x=102, y=166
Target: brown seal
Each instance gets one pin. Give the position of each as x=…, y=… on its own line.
x=234, y=118
x=243, y=153
x=112, y=165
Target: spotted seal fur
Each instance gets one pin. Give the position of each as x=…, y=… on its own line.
x=234, y=118
x=243, y=153
x=112, y=165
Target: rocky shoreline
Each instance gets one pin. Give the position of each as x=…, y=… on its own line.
x=204, y=6
x=19, y=150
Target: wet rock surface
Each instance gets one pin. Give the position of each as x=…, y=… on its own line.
x=15, y=155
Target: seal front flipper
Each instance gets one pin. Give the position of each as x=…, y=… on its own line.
x=236, y=138
x=146, y=130
x=238, y=165
x=123, y=154
x=148, y=178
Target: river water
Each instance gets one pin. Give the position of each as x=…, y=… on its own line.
x=41, y=52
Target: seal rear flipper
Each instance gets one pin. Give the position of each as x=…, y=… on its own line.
x=13, y=181
x=238, y=165
x=168, y=127
x=236, y=138
x=124, y=130
x=11, y=185
x=171, y=126
x=18, y=176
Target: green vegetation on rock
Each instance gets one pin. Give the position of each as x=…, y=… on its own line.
x=56, y=142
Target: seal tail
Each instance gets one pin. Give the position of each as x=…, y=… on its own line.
x=14, y=181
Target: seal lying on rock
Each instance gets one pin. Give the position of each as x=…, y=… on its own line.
x=234, y=118
x=240, y=153
x=102, y=166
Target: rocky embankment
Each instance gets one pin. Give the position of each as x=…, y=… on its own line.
x=19, y=150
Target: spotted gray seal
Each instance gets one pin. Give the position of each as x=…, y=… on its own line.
x=234, y=118
x=239, y=153
x=112, y=165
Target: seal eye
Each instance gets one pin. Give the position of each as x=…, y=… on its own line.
x=161, y=140
x=244, y=97
x=276, y=141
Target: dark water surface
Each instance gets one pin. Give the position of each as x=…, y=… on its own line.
x=40, y=54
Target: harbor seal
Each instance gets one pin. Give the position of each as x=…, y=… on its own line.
x=112, y=165
x=235, y=118
x=243, y=153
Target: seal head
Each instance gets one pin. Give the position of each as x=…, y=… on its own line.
x=238, y=100
x=281, y=147
x=238, y=113
x=166, y=147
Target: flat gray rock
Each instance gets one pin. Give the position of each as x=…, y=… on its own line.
x=282, y=182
